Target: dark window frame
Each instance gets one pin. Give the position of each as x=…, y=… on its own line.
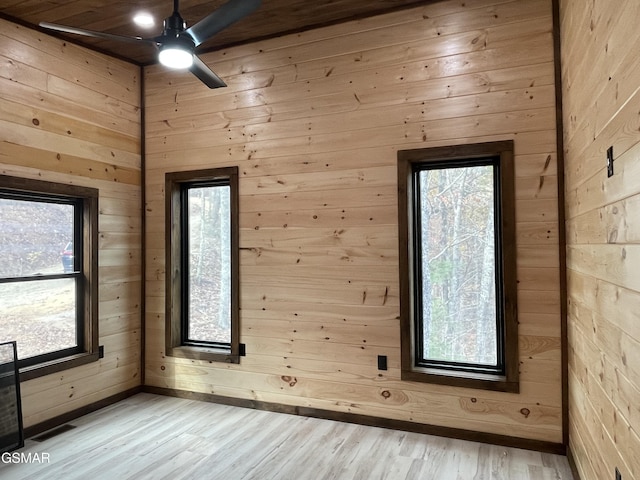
x=410, y=162
x=176, y=345
x=85, y=202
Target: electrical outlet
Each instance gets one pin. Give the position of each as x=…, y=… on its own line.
x=382, y=362
x=610, y=161
x=101, y=351
x=618, y=475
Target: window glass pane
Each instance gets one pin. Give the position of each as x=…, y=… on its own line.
x=457, y=265
x=40, y=315
x=35, y=237
x=209, y=257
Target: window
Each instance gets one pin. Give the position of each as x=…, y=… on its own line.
x=457, y=257
x=202, y=265
x=48, y=274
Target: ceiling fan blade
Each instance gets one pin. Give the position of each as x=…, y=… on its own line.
x=230, y=12
x=91, y=33
x=205, y=74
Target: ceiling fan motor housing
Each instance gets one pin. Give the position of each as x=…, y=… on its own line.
x=174, y=25
x=176, y=46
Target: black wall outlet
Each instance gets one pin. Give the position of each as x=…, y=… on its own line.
x=382, y=362
x=101, y=351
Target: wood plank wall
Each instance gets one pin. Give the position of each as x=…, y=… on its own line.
x=314, y=121
x=601, y=74
x=72, y=116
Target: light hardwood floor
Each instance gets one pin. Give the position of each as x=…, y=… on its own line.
x=156, y=437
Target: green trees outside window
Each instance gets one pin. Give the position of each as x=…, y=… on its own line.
x=457, y=266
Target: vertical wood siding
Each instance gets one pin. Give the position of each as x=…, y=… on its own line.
x=72, y=116
x=314, y=121
x=601, y=74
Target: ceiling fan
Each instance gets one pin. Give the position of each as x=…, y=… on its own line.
x=177, y=43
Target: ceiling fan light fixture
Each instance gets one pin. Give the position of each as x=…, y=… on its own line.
x=175, y=56
x=177, y=43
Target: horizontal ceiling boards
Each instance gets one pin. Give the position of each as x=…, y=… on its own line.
x=272, y=19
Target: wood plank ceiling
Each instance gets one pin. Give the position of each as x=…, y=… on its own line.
x=273, y=18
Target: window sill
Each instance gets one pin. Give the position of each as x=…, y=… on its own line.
x=498, y=383
x=208, y=354
x=53, y=366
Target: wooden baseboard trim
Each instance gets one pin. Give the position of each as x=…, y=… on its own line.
x=78, y=412
x=502, y=440
x=572, y=464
